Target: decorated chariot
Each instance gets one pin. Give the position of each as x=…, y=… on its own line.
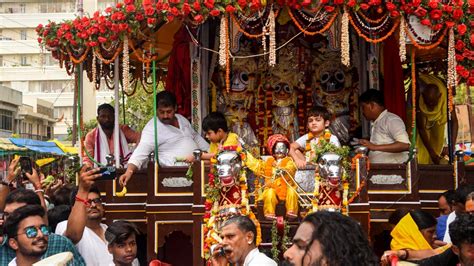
x=263, y=64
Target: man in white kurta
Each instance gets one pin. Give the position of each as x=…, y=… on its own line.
x=175, y=138
x=173, y=142
x=388, y=128
x=389, y=142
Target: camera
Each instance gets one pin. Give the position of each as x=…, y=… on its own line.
x=26, y=165
x=107, y=173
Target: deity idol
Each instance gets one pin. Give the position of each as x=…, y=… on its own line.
x=237, y=102
x=336, y=89
x=277, y=172
x=284, y=81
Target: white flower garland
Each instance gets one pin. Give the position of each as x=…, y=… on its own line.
x=452, y=77
x=126, y=64
x=222, y=43
x=94, y=68
x=345, y=45
x=402, y=40
x=272, y=56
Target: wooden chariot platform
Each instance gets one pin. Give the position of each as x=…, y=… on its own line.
x=168, y=208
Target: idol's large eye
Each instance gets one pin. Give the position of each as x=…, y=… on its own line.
x=325, y=76
x=277, y=88
x=288, y=89
x=340, y=76
x=244, y=77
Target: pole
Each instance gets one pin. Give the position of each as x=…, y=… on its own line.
x=117, y=109
x=80, y=93
x=116, y=113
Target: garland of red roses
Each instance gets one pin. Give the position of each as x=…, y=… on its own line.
x=125, y=18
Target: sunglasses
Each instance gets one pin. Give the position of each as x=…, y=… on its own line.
x=32, y=231
x=96, y=201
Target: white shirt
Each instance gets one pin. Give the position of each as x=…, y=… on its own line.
x=387, y=129
x=91, y=247
x=172, y=142
x=451, y=218
x=257, y=258
x=302, y=140
x=13, y=262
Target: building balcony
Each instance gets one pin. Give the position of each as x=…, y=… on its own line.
x=33, y=73
x=31, y=20
x=19, y=47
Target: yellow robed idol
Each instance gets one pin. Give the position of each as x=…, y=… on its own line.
x=431, y=120
x=278, y=172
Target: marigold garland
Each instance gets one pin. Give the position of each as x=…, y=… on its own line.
x=309, y=33
x=142, y=58
x=368, y=39
x=357, y=192
x=413, y=95
x=227, y=57
x=104, y=60
x=81, y=58
x=425, y=47
x=372, y=21
x=241, y=30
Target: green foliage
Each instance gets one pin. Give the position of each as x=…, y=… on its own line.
x=324, y=145
x=138, y=108
x=88, y=126
x=275, y=241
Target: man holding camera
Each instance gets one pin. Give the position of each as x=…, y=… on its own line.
x=84, y=227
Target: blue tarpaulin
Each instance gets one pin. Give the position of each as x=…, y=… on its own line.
x=37, y=145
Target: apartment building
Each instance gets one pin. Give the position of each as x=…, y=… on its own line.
x=36, y=75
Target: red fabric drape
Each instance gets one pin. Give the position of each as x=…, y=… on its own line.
x=394, y=92
x=178, y=80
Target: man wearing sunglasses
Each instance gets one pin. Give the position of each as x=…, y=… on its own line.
x=27, y=235
x=84, y=226
x=57, y=243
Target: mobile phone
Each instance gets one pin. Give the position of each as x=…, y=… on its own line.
x=107, y=173
x=26, y=165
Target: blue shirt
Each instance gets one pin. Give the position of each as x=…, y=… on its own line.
x=441, y=227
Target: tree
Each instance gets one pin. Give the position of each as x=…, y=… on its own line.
x=138, y=108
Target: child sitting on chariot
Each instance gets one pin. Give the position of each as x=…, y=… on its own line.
x=217, y=132
x=278, y=172
x=302, y=150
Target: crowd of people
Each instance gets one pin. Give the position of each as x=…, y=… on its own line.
x=34, y=228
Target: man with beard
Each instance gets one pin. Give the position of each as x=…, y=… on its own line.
x=238, y=245
x=100, y=141
x=122, y=238
x=84, y=226
x=56, y=243
x=27, y=234
x=176, y=138
x=329, y=238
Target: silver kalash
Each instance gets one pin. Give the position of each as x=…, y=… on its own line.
x=330, y=168
x=228, y=166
